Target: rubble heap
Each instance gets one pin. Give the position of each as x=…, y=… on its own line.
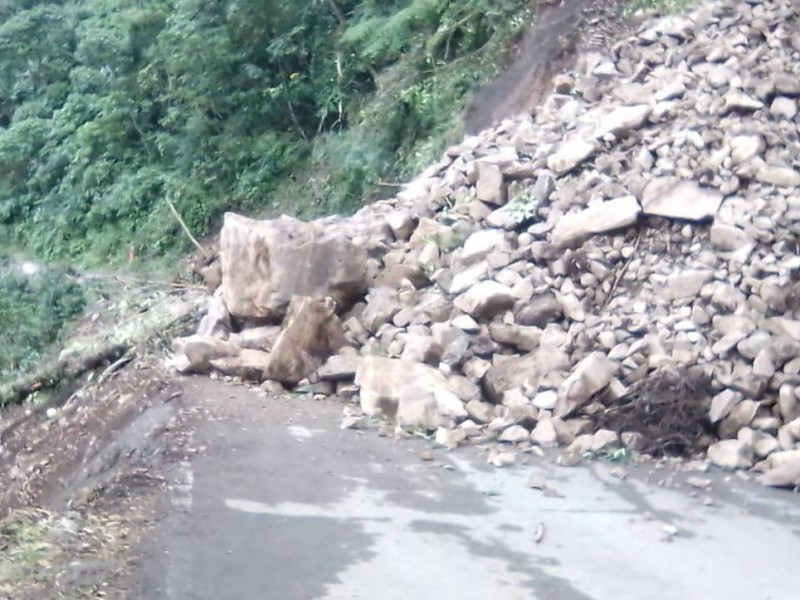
x=619, y=269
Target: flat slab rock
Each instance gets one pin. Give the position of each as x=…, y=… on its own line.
x=598, y=218
x=676, y=198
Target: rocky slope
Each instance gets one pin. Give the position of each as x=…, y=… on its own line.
x=619, y=269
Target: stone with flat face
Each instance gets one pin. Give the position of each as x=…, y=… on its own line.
x=267, y=263
x=598, y=218
x=682, y=199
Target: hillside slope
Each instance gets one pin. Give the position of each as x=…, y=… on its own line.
x=107, y=107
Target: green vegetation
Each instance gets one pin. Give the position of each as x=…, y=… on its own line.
x=37, y=310
x=107, y=107
x=661, y=6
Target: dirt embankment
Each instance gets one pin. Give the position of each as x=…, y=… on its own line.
x=561, y=32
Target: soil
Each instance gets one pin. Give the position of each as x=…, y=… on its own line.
x=562, y=30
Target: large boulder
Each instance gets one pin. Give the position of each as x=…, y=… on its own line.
x=414, y=393
x=267, y=263
x=311, y=333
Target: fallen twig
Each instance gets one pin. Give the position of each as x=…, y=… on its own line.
x=185, y=227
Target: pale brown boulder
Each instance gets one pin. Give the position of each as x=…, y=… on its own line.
x=383, y=303
x=680, y=199
x=590, y=376
x=417, y=409
x=490, y=187
x=598, y=218
x=340, y=367
x=267, y=263
x=311, y=333
x=520, y=337
x=195, y=353
x=216, y=322
x=570, y=154
x=786, y=475
x=731, y=454
x=384, y=381
x=251, y=365
x=485, y=299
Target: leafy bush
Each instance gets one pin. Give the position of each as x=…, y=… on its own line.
x=107, y=107
x=36, y=310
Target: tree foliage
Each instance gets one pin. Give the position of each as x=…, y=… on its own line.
x=109, y=106
x=37, y=310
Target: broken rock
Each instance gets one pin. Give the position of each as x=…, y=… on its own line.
x=731, y=454
x=590, y=376
x=485, y=299
x=598, y=218
x=311, y=333
x=260, y=273
x=676, y=198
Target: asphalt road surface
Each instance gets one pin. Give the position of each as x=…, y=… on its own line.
x=281, y=504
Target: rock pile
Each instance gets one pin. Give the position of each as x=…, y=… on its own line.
x=619, y=269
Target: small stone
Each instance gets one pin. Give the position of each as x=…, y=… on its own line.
x=783, y=108
x=685, y=284
x=485, y=299
x=545, y=400
x=784, y=177
x=563, y=83
x=353, y=422
x=537, y=481
x=632, y=440
x=745, y=147
x=604, y=439
x=502, y=459
x=728, y=237
x=480, y=412
x=765, y=445
x=763, y=365
x=784, y=476
x=623, y=119
x=466, y=324
x=741, y=415
x=450, y=438
x=544, y=434
x=401, y=223
x=569, y=155
x=339, y=367
x=700, y=483
x=482, y=243
x=590, y=376
x=739, y=102
x=539, y=311
x=514, y=434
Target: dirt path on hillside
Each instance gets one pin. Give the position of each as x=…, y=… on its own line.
x=561, y=31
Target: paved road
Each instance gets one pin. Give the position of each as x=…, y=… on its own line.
x=281, y=504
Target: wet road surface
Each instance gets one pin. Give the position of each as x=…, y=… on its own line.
x=281, y=504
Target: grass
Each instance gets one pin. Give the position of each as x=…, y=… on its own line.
x=660, y=6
